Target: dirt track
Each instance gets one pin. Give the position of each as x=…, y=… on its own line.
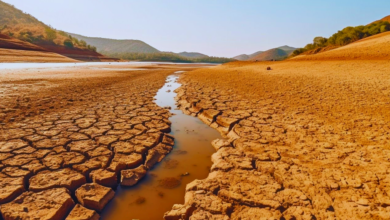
x=63, y=128
x=306, y=140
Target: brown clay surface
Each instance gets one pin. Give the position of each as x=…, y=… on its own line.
x=61, y=128
x=305, y=140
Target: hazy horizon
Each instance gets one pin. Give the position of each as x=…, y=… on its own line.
x=217, y=28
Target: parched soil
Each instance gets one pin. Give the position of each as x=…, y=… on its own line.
x=305, y=140
x=69, y=136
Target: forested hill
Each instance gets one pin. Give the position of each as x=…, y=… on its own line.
x=278, y=53
x=109, y=46
x=192, y=55
x=344, y=37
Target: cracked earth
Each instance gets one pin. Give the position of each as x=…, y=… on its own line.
x=306, y=140
x=71, y=136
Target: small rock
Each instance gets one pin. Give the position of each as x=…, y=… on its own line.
x=79, y=212
x=179, y=212
x=94, y=196
x=131, y=177
x=104, y=178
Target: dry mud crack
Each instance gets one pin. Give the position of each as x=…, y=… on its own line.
x=293, y=149
x=74, y=139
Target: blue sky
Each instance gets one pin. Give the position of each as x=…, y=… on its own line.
x=214, y=27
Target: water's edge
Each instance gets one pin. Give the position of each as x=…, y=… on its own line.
x=189, y=160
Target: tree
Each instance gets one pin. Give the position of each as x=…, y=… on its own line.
x=50, y=34
x=68, y=43
x=320, y=41
x=385, y=27
x=83, y=43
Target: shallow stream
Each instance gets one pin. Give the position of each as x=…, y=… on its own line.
x=189, y=160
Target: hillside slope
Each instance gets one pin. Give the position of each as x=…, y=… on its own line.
x=344, y=37
x=287, y=48
x=192, y=55
x=7, y=42
x=276, y=56
x=241, y=57
x=273, y=54
x=110, y=46
x=371, y=48
x=14, y=50
x=23, y=27
x=29, y=56
x=387, y=18
x=244, y=57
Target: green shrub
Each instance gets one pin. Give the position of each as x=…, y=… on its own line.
x=68, y=43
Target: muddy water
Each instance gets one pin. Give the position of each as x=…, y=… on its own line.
x=151, y=198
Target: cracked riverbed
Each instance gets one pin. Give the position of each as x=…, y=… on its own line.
x=164, y=185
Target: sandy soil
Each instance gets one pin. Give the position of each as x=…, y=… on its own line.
x=63, y=128
x=306, y=140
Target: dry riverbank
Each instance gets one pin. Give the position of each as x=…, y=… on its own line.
x=71, y=135
x=305, y=140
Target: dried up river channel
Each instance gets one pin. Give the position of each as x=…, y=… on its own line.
x=68, y=134
x=165, y=184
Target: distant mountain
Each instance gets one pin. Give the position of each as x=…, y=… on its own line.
x=247, y=57
x=241, y=57
x=273, y=54
x=287, y=49
x=112, y=46
x=255, y=54
x=192, y=55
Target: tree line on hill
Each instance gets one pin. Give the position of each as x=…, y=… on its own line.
x=50, y=37
x=346, y=36
x=168, y=57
